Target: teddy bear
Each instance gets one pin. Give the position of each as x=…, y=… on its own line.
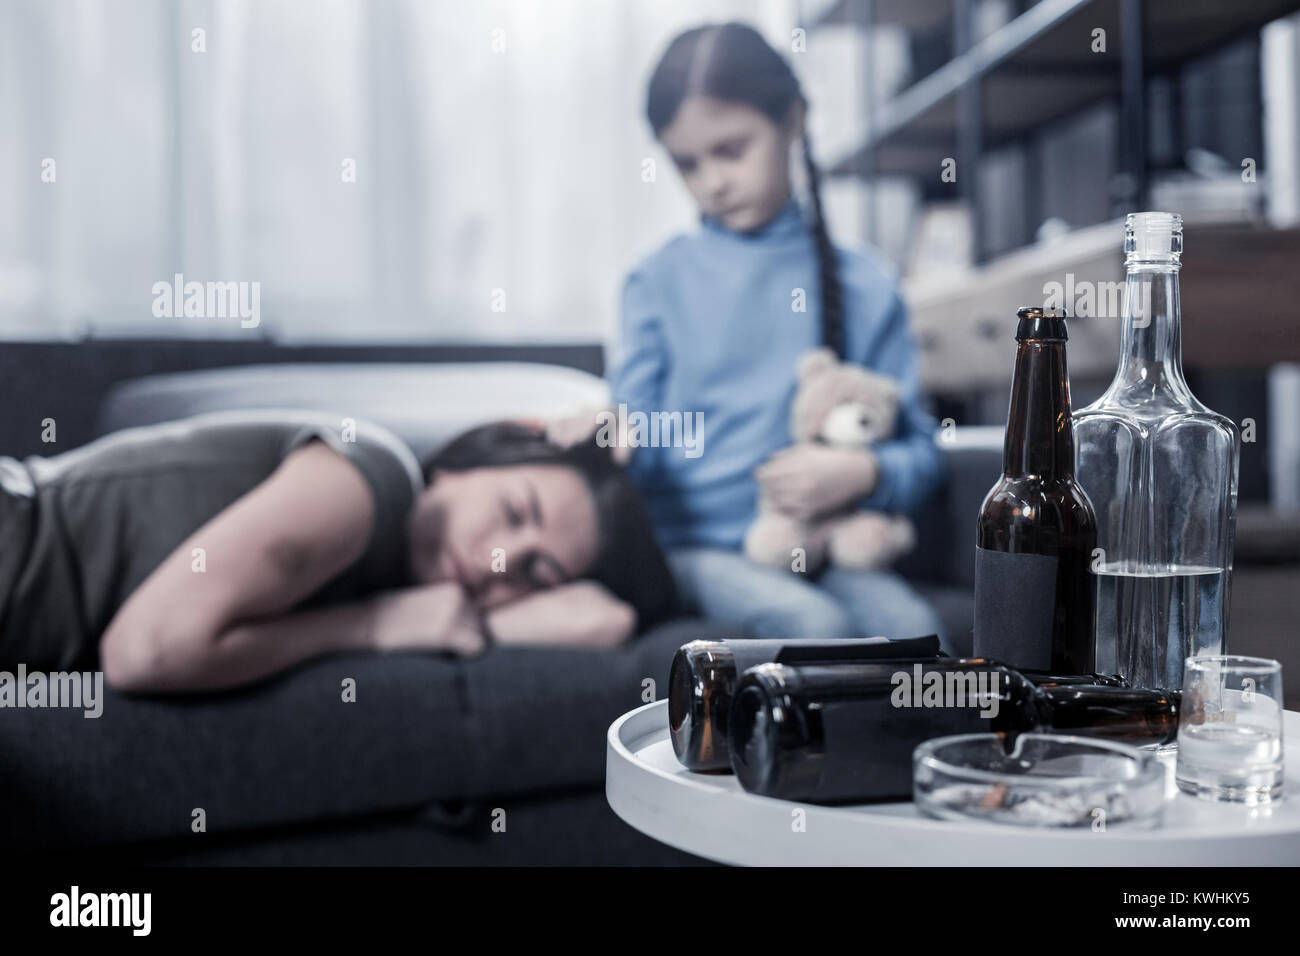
x=850, y=407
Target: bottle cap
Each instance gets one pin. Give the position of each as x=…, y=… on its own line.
x=1153, y=237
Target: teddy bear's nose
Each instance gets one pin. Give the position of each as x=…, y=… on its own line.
x=864, y=420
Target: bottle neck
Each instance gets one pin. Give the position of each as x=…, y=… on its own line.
x=1151, y=351
x=1129, y=715
x=1040, y=433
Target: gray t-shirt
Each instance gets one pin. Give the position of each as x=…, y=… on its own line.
x=79, y=531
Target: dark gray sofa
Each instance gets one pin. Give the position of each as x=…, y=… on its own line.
x=435, y=750
x=285, y=771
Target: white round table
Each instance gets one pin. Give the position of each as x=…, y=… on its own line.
x=710, y=816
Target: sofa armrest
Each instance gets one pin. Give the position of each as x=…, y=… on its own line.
x=422, y=403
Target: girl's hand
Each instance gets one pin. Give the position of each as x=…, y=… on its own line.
x=805, y=481
x=582, y=425
x=431, y=617
x=571, y=429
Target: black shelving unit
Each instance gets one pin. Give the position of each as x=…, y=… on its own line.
x=1038, y=69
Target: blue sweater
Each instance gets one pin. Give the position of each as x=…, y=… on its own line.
x=708, y=326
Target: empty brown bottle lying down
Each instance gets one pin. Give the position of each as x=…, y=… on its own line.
x=704, y=675
x=844, y=733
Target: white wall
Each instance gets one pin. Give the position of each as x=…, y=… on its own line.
x=477, y=169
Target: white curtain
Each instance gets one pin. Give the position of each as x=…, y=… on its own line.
x=498, y=152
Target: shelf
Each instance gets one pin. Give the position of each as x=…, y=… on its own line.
x=1040, y=68
x=1234, y=317
x=1230, y=318
x=914, y=15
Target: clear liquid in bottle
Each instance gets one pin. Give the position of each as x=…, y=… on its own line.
x=1161, y=471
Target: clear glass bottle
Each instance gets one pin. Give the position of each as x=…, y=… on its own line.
x=1161, y=471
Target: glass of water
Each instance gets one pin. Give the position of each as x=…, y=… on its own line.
x=1230, y=729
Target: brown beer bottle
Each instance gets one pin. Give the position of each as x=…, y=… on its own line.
x=845, y=732
x=704, y=674
x=1035, y=602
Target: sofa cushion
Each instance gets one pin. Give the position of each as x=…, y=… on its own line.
x=422, y=730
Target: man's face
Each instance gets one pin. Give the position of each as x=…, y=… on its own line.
x=734, y=160
x=504, y=532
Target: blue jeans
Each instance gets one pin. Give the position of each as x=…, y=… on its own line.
x=766, y=602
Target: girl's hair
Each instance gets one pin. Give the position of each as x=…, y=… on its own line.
x=628, y=559
x=732, y=62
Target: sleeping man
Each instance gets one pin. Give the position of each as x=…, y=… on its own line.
x=213, y=551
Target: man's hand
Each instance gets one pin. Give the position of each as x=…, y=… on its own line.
x=805, y=481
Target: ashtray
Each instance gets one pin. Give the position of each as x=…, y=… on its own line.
x=1045, y=780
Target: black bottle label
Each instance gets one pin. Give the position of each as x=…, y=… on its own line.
x=1015, y=599
x=751, y=652
x=869, y=744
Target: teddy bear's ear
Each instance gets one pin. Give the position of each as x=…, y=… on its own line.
x=815, y=362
